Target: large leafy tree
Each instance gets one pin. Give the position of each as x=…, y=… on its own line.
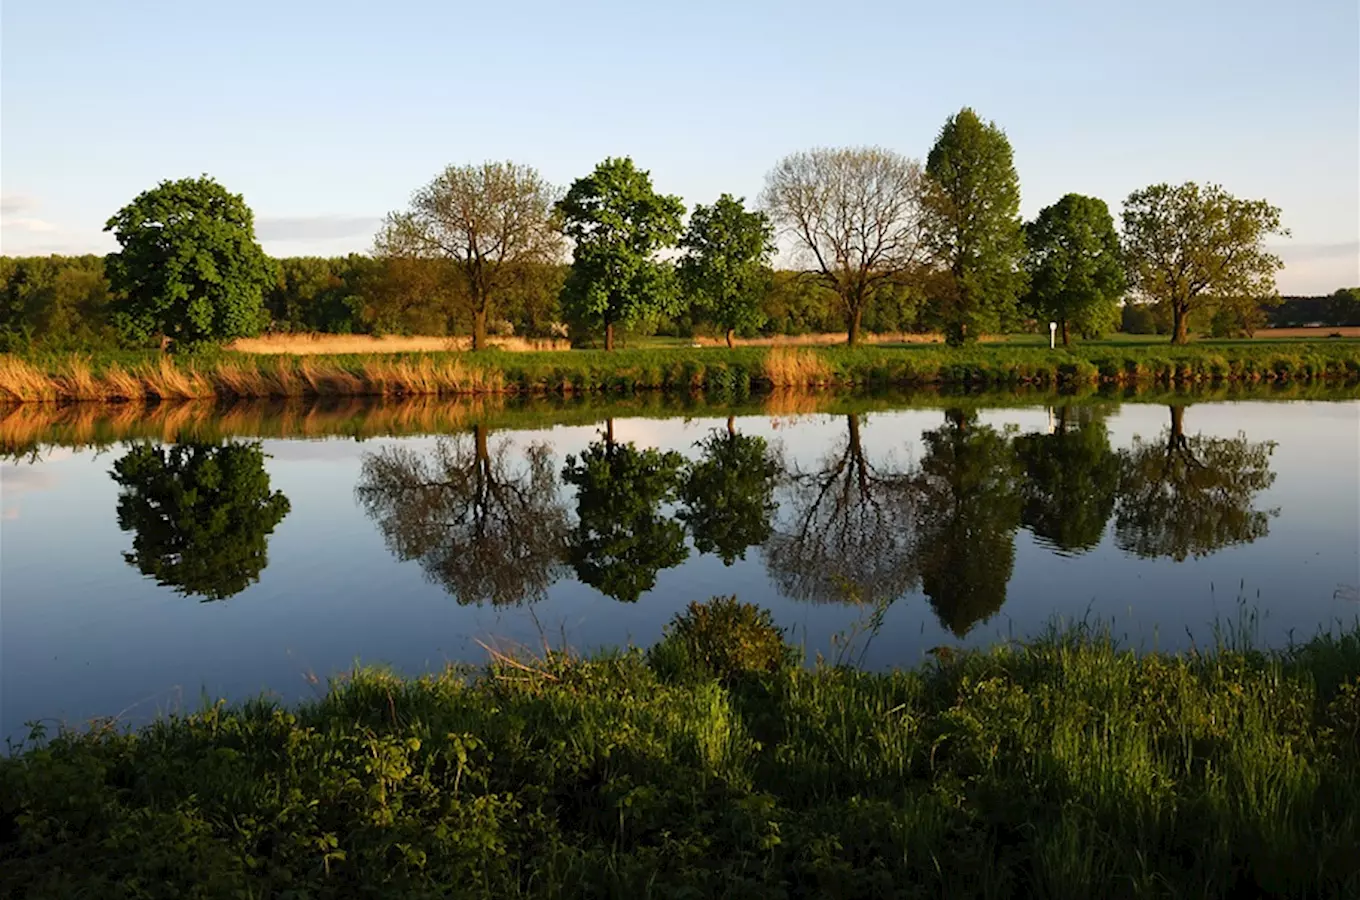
x=201, y=515
x=1076, y=273
x=622, y=538
x=1071, y=480
x=855, y=213
x=728, y=494
x=1191, y=495
x=494, y=223
x=1189, y=248
x=617, y=223
x=973, y=228
x=848, y=528
x=725, y=270
x=190, y=268
x=486, y=529
x=970, y=510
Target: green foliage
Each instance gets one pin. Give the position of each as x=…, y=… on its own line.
x=324, y=294
x=622, y=538
x=189, y=268
x=1076, y=273
x=1188, y=247
x=54, y=303
x=1191, y=495
x=728, y=495
x=726, y=267
x=1138, y=318
x=720, y=638
x=201, y=515
x=973, y=228
x=1064, y=767
x=617, y=223
x=1071, y=481
x=971, y=508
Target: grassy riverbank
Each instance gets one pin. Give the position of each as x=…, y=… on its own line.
x=711, y=766
x=734, y=372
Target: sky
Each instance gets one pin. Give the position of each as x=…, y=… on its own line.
x=326, y=116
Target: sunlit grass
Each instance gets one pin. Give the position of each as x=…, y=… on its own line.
x=1067, y=767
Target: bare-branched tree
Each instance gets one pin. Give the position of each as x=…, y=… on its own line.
x=855, y=214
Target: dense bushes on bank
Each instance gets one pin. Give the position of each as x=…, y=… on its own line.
x=712, y=767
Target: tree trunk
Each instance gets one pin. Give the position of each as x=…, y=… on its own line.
x=852, y=329
x=732, y=426
x=609, y=431
x=479, y=330
x=1067, y=338
x=1177, y=436
x=1180, y=323
x=609, y=336
x=731, y=342
x=479, y=434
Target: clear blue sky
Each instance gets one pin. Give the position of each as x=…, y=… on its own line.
x=327, y=115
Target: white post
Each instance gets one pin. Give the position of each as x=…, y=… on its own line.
x=1052, y=335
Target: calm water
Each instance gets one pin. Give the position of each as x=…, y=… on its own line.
x=139, y=577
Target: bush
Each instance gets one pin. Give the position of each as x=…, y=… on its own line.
x=721, y=639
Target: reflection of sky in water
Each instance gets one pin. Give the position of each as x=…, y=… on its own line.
x=83, y=634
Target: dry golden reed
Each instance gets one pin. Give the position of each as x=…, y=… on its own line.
x=311, y=344
x=786, y=367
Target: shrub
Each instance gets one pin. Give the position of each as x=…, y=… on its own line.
x=720, y=638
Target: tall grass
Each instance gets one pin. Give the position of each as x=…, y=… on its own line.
x=1064, y=768
x=733, y=373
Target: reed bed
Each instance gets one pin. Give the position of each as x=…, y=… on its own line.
x=731, y=372
x=713, y=765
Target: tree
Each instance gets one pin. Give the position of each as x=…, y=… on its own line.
x=726, y=266
x=1076, y=273
x=491, y=222
x=728, y=494
x=1071, y=481
x=189, y=268
x=970, y=510
x=622, y=539
x=1185, y=496
x=201, y=515
x=618, y=223
x=1343, y=307
x=849, y=529
x=973, y=228
x=1188, y=247
x=485, y=530
x=856, y=212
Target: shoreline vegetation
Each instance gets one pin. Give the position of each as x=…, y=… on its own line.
x=715, y=764
x=115, y=377
x=26, y=428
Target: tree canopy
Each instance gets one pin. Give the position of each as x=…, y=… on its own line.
x=1076, y=272
x=1071, y=481
x=622, y=538
x=493, y=222
x=617, y=223
x=725, y=271
x=486, y=531
x=973, y=228
x=1189, y=247
x=855, y=214
x=190, y=268
x=201, y=515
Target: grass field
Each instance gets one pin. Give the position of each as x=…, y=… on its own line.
x=712, y=766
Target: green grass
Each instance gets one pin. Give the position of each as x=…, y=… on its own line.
x=1063, y=768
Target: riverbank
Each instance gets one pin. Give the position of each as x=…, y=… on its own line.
x=730, y=372
x=712, y=766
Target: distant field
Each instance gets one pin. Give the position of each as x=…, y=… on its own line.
x=336, y=344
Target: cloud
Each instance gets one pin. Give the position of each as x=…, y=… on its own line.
x=1307, y=252
x=1313, y=269
x=315, y=228
x=15, y=215
x=27, y=223
x=14, y=204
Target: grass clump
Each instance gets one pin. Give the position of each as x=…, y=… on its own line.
x=1066, y=767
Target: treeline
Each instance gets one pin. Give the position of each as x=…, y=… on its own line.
x=62, y=303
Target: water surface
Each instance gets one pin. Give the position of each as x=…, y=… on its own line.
x=148, y=561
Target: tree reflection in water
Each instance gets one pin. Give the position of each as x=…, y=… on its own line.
x=488, y=531
x=201, y=515
x=728, y=494
x=1071, y=480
